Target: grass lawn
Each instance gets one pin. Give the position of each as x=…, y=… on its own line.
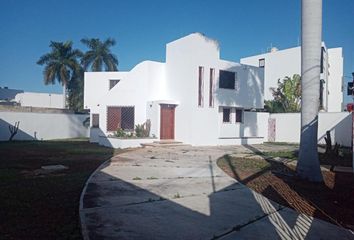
x=45, y=206
x=332, y=200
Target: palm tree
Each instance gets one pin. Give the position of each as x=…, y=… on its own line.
x=61, y=64
x=308, y=166
x=99, y=54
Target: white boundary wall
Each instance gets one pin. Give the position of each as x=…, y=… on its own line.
x=340, y=125
x=43, y=126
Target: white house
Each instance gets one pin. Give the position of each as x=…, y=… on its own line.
x=42, y=100
x=194, y=97
x=31, y=99
x=278, y=64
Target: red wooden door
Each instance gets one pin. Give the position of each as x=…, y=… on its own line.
x=167, y=123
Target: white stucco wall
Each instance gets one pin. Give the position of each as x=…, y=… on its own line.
x=43, y=126
x=150, y=84
x=335, y=80
x=287, y=62
x=340, y=125
x=200, y=125
x=96, y=86
x=44, y=100
x=143, y=83
x=278, y=65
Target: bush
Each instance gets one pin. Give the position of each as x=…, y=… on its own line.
x=139, y=130
x=120, y=133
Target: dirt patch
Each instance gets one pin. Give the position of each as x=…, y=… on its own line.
x=332, y=200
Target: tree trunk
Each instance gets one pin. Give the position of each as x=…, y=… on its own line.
x=308, y=166
x=64, y=96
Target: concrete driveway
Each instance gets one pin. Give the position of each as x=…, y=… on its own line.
x=180, y=193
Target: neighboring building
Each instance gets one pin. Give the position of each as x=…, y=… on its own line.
x=278, y=64
x=8, y=95
x=195, y=97
x=31, y=99
x=44, y=100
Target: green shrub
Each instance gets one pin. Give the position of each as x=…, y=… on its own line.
x=139, y=130
x=120, y=133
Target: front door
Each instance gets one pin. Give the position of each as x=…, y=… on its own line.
x=167, y=123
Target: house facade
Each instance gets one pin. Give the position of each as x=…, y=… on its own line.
x=278, y=64
x=194, y=97
x=31, y=99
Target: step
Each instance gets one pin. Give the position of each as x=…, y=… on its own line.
x=164, y=143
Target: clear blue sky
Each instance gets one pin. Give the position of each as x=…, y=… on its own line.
x=142, y=28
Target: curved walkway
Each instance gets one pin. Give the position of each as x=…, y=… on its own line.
x=180, y=193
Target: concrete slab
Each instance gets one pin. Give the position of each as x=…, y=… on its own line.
x=197, y=217
x=140, y=173
x=119, y=192
x=180, y=193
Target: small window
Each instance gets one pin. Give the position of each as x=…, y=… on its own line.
x=112, y=83
x=239, y=115
x=200, y=86
x=323, y=52
x=211, y=87
x=261, y=63
x=226, y=79
x=95, y=120
x=226, y=115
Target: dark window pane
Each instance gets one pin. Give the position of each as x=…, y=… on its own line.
x=211, y=86
x=112, y=83
x=226, y=79
x=350, y=88
x=200, y=86
x=261, y=63
x=239, y=115
x=226, y=115
x=127, y=118
x=322, y=55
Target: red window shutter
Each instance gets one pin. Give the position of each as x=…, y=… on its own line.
x=113, y=118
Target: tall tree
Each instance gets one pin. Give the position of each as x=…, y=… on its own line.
x=287, y=95
x=61, y=64
x=308, y=166
x=99, y=55
x=76, y=92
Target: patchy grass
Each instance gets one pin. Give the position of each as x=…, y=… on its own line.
x=331, y=200
x=45, y=206
x=151, y=178
x=282, y=143
x=293, y=155
x=177, y=195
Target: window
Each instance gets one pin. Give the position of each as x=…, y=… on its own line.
x=323, y=51
x=211, y=87
x=261, y=63
x=226, y=79
x=200, y=86
x=120, y=117
x=226, y=113
x=239, y=115
x=127, y=122
x=95, y=120
x=321, y=93
x=112, y=83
